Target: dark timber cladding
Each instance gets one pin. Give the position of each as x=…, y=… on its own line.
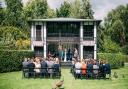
x=48, y=34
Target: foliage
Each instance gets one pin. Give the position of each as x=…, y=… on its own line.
x=86, y=11
x=115, y=60
x=64, y=10
x=22, y=44
x=9, y=36
x=75, y=9
x=116, y=25
x=12, y=60
x=36, y=9
x=125, y=49
x=14, y=14
x=109, y=46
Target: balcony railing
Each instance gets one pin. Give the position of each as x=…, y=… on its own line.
x=62, y=35
x=37, y=39
x=88, y=38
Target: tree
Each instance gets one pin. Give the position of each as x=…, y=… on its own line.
x=75, y=9
x=36, y=9
x=86, y=11
x=64, y=10
x=116, y=25
x=14, y=15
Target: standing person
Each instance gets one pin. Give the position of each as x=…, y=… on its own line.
x=61, y=54
x=65, y=55
x=75, y=53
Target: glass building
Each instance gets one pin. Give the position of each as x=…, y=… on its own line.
x=48, y=34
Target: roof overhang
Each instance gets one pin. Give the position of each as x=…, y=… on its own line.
x=64, y=20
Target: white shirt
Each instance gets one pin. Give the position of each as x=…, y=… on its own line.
x=78, y=67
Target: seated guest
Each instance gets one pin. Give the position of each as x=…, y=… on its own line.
x=107, y=69
x=102, y=69
x=37, y=65
x=50, y=64
x=43, y=65
x=73, y=65
x=31, y=67
x=84, y=67
x=78, y=67
x=56, y=65
x=89, y=69
x=95, y=69
x=25, y=63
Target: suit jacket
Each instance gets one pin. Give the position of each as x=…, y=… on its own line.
x=31, y=66
x=44, y=65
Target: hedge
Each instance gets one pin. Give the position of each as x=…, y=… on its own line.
x=115, y=60
x=12, y=60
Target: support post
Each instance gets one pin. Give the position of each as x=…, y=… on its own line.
x=32, y=36
x=95, y=41
x=45, y=45
x=81, y=40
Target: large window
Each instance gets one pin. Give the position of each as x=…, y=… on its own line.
x=88, y=51
x=63, y=29
x=38, y=32
x=88, y=32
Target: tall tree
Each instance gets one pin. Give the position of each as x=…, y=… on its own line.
x=116, y=25
x=64, y=10
x=75, y=9
x=86, y=11
x=36, y=9
x=14, y=15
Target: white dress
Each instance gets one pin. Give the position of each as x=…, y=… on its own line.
x=65, y=57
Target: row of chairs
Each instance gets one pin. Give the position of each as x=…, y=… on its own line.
x=90, y=74
x=30, y=73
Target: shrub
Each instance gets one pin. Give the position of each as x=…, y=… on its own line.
x=12, y=60
x=115, y=60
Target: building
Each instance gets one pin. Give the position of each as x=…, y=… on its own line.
x=48, y=34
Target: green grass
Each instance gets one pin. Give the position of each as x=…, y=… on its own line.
x=13, y=80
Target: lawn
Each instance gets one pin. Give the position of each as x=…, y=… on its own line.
x=13, y=80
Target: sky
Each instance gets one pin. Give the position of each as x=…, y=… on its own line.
x=100, y=7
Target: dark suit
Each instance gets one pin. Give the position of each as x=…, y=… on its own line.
x=31, y=67
x=44, y=65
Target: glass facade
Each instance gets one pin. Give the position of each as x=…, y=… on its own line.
x=38, y=33
x=63, y=29
x=88, y=32
x=88, y=51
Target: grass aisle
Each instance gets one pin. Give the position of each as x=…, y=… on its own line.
x=14, y=80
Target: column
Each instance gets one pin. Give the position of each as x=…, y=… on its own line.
x=95, y=41
x=45, y=52
x=81, y=40
x=32, y=36
x=42, y=32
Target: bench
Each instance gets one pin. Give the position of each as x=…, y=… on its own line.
x=90, y=74
x=30, y=73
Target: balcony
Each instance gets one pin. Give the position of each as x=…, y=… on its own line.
x=64, y=39
x=62, y=35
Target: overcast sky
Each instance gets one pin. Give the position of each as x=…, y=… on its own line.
x=100, y=7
